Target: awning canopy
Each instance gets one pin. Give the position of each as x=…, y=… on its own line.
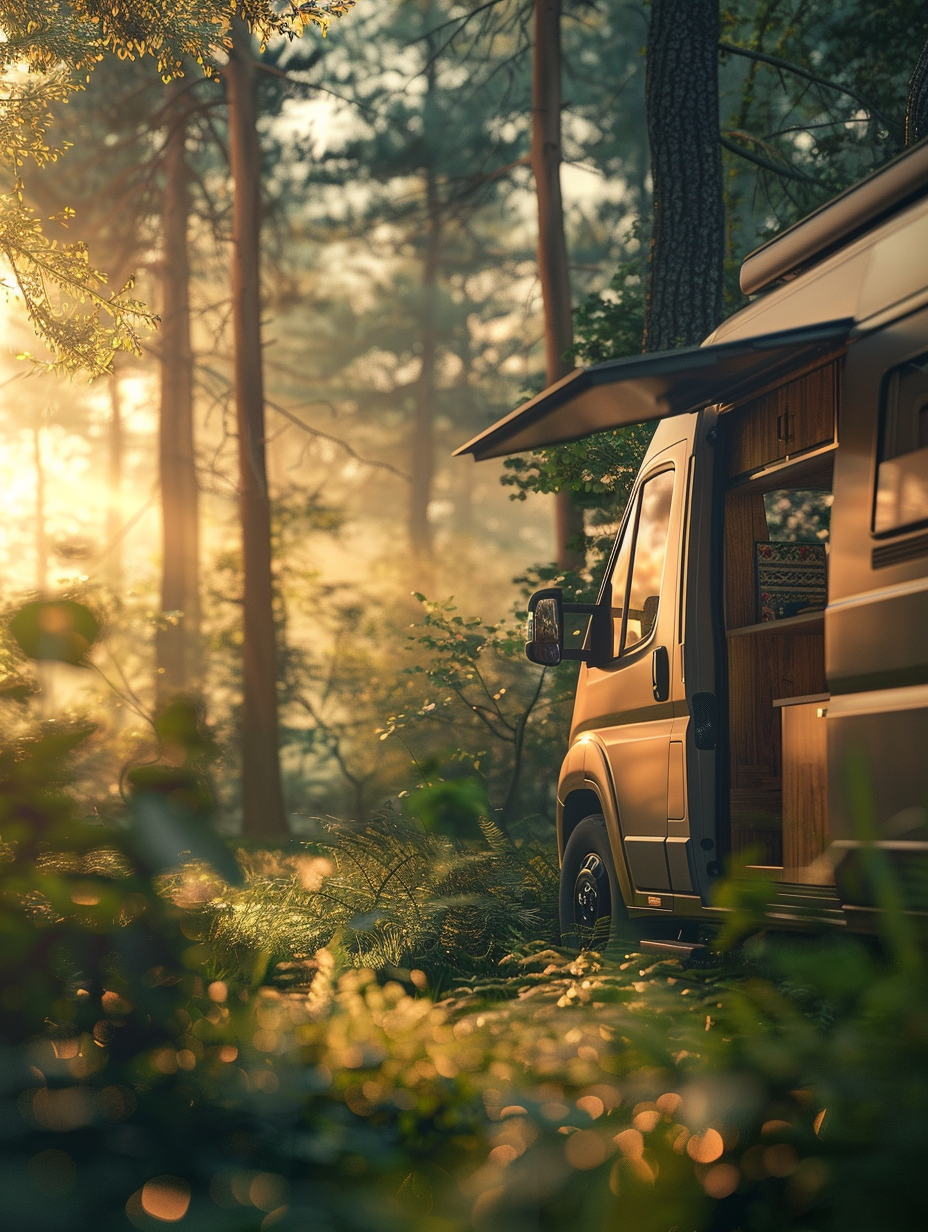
x=653, y=386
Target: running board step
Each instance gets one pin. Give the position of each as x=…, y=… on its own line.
x=676, y=949
x=807, y=904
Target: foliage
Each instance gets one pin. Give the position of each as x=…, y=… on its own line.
x=610, y=324
x=388, y=896
x=48, y=52
x=815, y=95
x=601, y=468
x=147, y=1077
x=487, y=715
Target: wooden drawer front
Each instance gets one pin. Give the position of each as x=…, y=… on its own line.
x=797, y=416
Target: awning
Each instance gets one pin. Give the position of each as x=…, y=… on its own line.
x=654, y=386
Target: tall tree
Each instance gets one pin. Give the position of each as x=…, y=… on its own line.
x=177, y=641
x=41, y=536
x=553, y=269
x=114, y=483
x=423, y=443
x=684, y=299
x=916, y=111
x=262, y=795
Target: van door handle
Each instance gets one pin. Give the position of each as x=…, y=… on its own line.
x=660, y=674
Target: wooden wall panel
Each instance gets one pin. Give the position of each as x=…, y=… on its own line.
x=764, y=666
x=745, y=525
x=805, y=796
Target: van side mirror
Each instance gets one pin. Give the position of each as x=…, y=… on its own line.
x=545, y=630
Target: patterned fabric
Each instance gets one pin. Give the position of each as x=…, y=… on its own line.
x=791, y=578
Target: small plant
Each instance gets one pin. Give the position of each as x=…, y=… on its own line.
x=488, y=717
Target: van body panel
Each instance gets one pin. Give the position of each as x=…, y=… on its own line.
x=570, y=779
x=877, y=618
x=860, y=657
x=806, y=301
x=877, y=744
x=616, y=702
x=838, y=222
x=876, y=623
x=702, y=636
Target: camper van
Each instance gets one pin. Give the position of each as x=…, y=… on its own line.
x=753, y=688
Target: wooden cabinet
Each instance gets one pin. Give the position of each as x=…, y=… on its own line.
x=767, y=663
x=795, y=417
x=805, y=791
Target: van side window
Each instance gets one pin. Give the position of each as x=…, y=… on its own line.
x=902, y=473
x=645, y=539
x=648, y=568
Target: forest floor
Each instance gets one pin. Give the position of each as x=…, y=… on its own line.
x=471, y=1074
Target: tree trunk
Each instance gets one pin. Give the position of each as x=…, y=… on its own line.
x=177, y=643
x=684, y=300
x=41, y=537
x=423, y=441
x=553, y=271
x=263, y=812
x=916, y=108
x=114, y=468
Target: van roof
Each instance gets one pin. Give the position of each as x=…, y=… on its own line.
x=884, y=192
x=864, y=259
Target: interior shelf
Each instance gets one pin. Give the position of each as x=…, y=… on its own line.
x=810, y=622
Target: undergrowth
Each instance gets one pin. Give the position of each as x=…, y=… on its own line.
x=439, y=1066
x=387, y=896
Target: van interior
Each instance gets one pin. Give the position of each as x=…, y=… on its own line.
x=777, y=450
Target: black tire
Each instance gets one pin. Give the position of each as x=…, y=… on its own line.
x=592, y=912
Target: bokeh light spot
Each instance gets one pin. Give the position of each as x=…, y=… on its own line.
x=721, y=1180
x=705, y=1148
x=166, y=1198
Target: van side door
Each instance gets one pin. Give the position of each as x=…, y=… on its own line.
x=626, y=704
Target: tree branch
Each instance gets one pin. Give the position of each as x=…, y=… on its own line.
x=311, y=85
x=336, y=440
x=768, y=164
x=765, y=58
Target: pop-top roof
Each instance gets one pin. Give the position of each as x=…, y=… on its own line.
x=837, y=222
x=652, y=386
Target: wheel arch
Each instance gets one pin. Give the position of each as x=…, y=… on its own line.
x=595, y=797
x=580, y=803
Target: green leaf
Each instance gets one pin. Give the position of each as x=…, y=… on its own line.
x=59, y=630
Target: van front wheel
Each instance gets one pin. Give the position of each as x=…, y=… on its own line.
x=591, y=907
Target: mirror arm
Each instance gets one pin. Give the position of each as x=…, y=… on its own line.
x=589, y=654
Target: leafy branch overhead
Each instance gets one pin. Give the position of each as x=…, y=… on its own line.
x=46, y=53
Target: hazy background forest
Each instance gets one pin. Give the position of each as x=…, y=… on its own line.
x=402, y=313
